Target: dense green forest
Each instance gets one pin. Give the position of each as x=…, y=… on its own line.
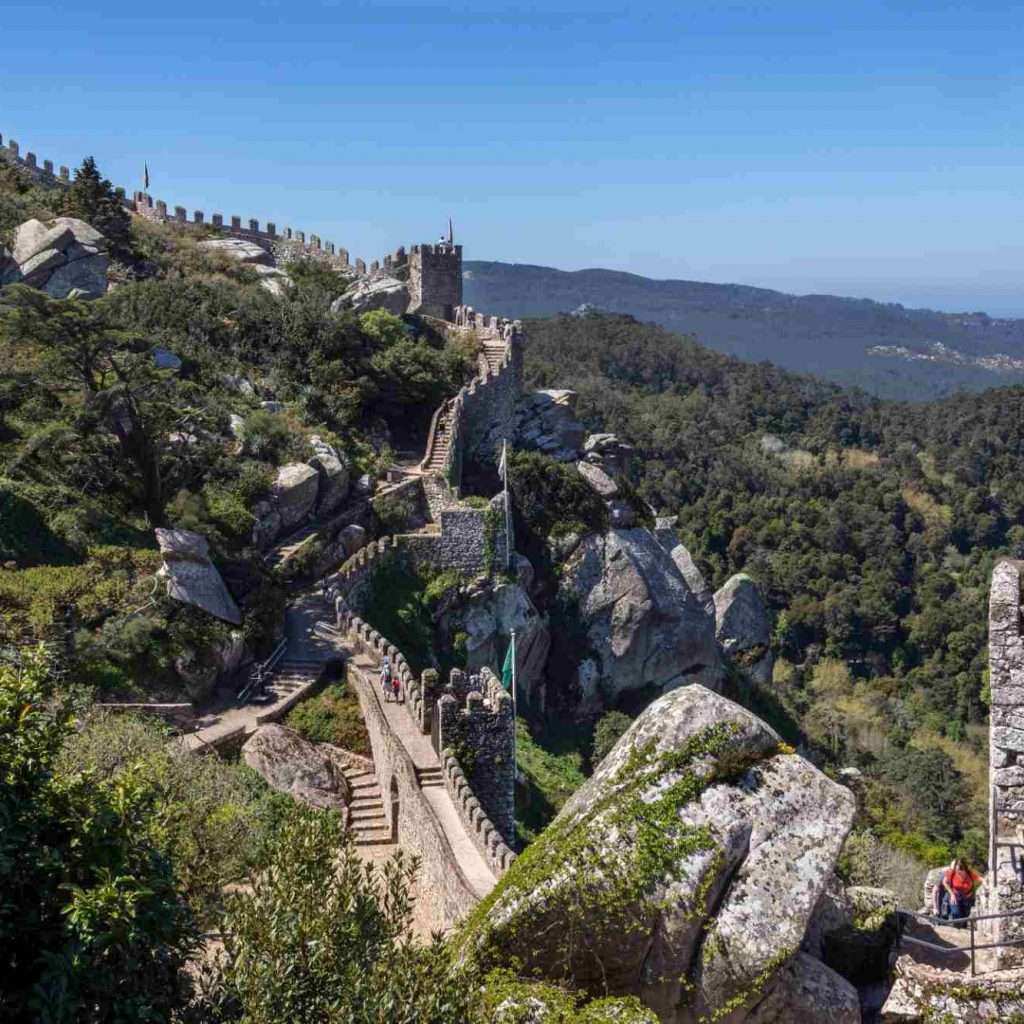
x=872, y=527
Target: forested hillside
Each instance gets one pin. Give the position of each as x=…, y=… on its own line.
x=926, y=354
x=872, y=527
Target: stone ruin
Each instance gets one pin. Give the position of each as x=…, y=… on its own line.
x=1006, y=758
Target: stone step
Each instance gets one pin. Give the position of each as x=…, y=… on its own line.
x=365, y=815
x=359, y=804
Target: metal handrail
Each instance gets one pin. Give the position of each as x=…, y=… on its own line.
x=260, y=672
x=970, y=922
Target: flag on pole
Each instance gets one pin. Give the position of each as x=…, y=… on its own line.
x=503, y=462
x=146, y=174
x=509, y=668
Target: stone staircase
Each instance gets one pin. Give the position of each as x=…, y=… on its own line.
x=367, y=818
x=493, y=352
x=436, y=461
x=289, y=676
x=429, y=777
x=287, y=547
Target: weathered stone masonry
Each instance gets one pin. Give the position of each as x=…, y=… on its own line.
x=1006, y=754
x=475, y=715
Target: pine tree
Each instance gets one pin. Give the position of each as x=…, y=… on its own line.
x=93, y=199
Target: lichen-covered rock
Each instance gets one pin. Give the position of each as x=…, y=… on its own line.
x=297, y=767
x=661, y=875
x=353, y=538
x=295, y=491
x=644, y=624
x=743, y=627
x=237, y=249
x=191, y=577
x=65, y=257
x=387, y=293
x=598, y=479
x=668, y=537
x=806, y=991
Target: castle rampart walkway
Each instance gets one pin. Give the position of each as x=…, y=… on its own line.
x=362, y=673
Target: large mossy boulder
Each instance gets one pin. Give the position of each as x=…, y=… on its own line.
x=684, y=871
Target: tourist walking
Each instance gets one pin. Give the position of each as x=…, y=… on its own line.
x=394, y=686
x=385, y=677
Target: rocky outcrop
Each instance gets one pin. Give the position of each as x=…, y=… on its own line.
x=297, y=767
x=294, y=493
x=607, y=451
x=191, y=577
x=645, y=626
x=368, y=293
x=659, y=877
x=743, y=628
x=271, y=277
x=237, y=249
x=333, y=470
x=64, y=257
x=488, y=620
x=666, y=535
x=546, y=422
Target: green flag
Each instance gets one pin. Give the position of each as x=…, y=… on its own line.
x=509, y=666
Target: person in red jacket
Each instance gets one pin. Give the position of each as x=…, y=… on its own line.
x=960, y=884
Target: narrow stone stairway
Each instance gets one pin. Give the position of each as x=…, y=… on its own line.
x=290, y=675
x=429, y=777
x=367, y=819
x=277, y=554
x=442, y=439
x=494, y=353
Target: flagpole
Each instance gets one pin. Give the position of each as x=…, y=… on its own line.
x=508, y=510
x=515, y=741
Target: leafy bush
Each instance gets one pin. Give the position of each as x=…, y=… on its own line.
x=92, y=928
x=333, y=716
x=610, y=728
x=321, y=936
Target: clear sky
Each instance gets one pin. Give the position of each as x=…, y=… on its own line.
x=859, y=148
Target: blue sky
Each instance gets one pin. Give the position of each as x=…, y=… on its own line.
x=863, y=148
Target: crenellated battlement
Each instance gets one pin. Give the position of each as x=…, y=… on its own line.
x=435, y=279
x=41, y=172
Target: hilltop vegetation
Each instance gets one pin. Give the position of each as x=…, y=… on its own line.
x=872, y=527
x=822, y=334
x=143, y=409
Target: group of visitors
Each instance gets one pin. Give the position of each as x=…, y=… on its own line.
x=389, y=681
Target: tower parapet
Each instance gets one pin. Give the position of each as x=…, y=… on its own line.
x=435, y=279
x=1006, y=755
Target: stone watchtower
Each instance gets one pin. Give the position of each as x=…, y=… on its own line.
x=435, y=278
x=1006, y=755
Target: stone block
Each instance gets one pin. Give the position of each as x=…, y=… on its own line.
x=1008, y=739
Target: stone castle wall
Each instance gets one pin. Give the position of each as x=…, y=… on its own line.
x=486, y=721
x=435, y=271
x=444, y=889
x=1006, y=754
x=41, y=172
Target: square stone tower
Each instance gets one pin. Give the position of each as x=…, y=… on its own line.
x=1006, y=756
x=435, y=279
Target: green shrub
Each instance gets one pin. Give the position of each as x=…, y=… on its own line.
x=333, y=716
x=610, y=727
x=322, y=937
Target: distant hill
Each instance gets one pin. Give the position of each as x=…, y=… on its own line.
x=884, y=348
